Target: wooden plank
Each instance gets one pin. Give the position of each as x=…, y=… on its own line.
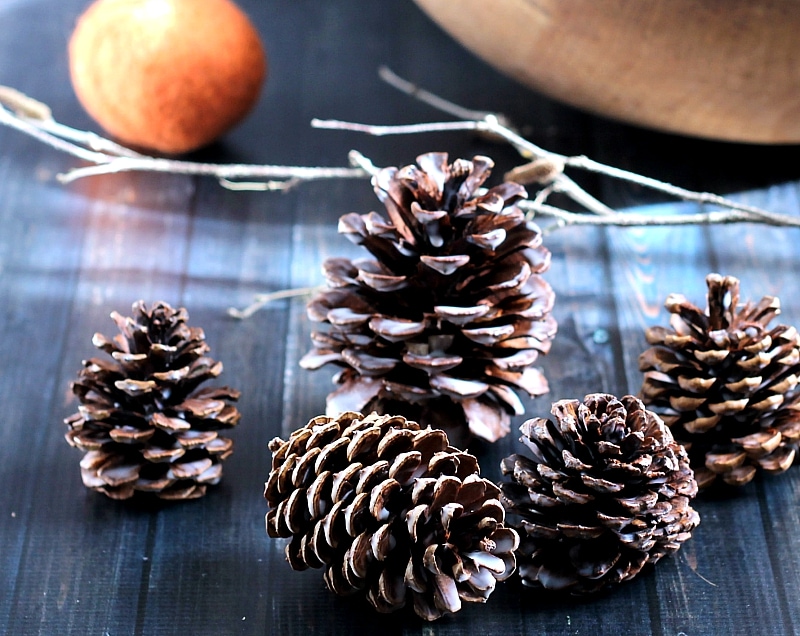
x=314, y=239
x=585, y=308
x=83, y=555
x=208, y=572
x=763, y=258
x=711, y=582
x=41, y=229
x=36, y=283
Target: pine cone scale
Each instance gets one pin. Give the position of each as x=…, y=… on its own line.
x=410, y=511
x=606, y=492
x=142, y=421
x=454, y=288
x=723, y=380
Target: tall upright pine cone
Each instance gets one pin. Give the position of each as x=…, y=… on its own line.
x=142, y=420
x=726, y=383
x=446, y=321
x=389, y=510
x=606, y=492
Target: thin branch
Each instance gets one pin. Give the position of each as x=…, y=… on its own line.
x=260, y=300
x=637, y=219
x=33, y=118
x=402, y=129
x=32, y=128
x=543, y=194
x=576, y=162
x=38, y=113
x=360, y=161
x=667, y=188
x=439, y=103
x=24, y=106
x=273, y=185
x=219, y=170
x=566, y=185
x=501, y=126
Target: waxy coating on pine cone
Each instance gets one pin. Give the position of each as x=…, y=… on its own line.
x=606, y=492
x=451, y=312
x=391, y=511
x=726, y=383
x=142, y=420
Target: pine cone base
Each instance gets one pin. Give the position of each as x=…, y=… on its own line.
x=391, y=511
x=606, y=492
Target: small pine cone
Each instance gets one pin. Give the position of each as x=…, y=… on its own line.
x=389, y=510
x=726, y=383
x=446, y=321
x=143, y=422
x=607, y=491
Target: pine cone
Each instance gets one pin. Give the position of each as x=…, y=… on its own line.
x=449, y=317
x=726, y=383
x=143, y=422
x=607, y=491
x=389, y=510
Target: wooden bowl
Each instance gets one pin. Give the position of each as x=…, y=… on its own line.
x=722, y=69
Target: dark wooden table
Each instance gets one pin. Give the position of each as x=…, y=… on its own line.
x=75, y=562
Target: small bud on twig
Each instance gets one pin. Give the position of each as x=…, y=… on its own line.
x=541, y=171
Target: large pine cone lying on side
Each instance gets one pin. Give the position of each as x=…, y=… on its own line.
x=447, y=319
x=144, y=423
x=390, y=511
x=726, y=383
x=606, y=491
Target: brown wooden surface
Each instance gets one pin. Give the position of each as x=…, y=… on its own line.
x=74, y=562
x=722, y=69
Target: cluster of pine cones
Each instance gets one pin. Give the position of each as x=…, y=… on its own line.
x=439, y=332
x=391, y=511
x=442, y=326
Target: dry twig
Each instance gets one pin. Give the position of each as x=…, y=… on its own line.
x=34, y=118
x=536, y=152
x=544, y=168
x=260, y=300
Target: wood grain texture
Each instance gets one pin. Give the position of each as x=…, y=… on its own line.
x=761, y=259
x=725, y=69
x=73, y=562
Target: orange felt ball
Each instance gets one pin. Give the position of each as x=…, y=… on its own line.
x=166, y=75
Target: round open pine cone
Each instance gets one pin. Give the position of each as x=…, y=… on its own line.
x=726, y=383
x=606, y=492
x=391, y=511
x=444, y=324
x=142, y=420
